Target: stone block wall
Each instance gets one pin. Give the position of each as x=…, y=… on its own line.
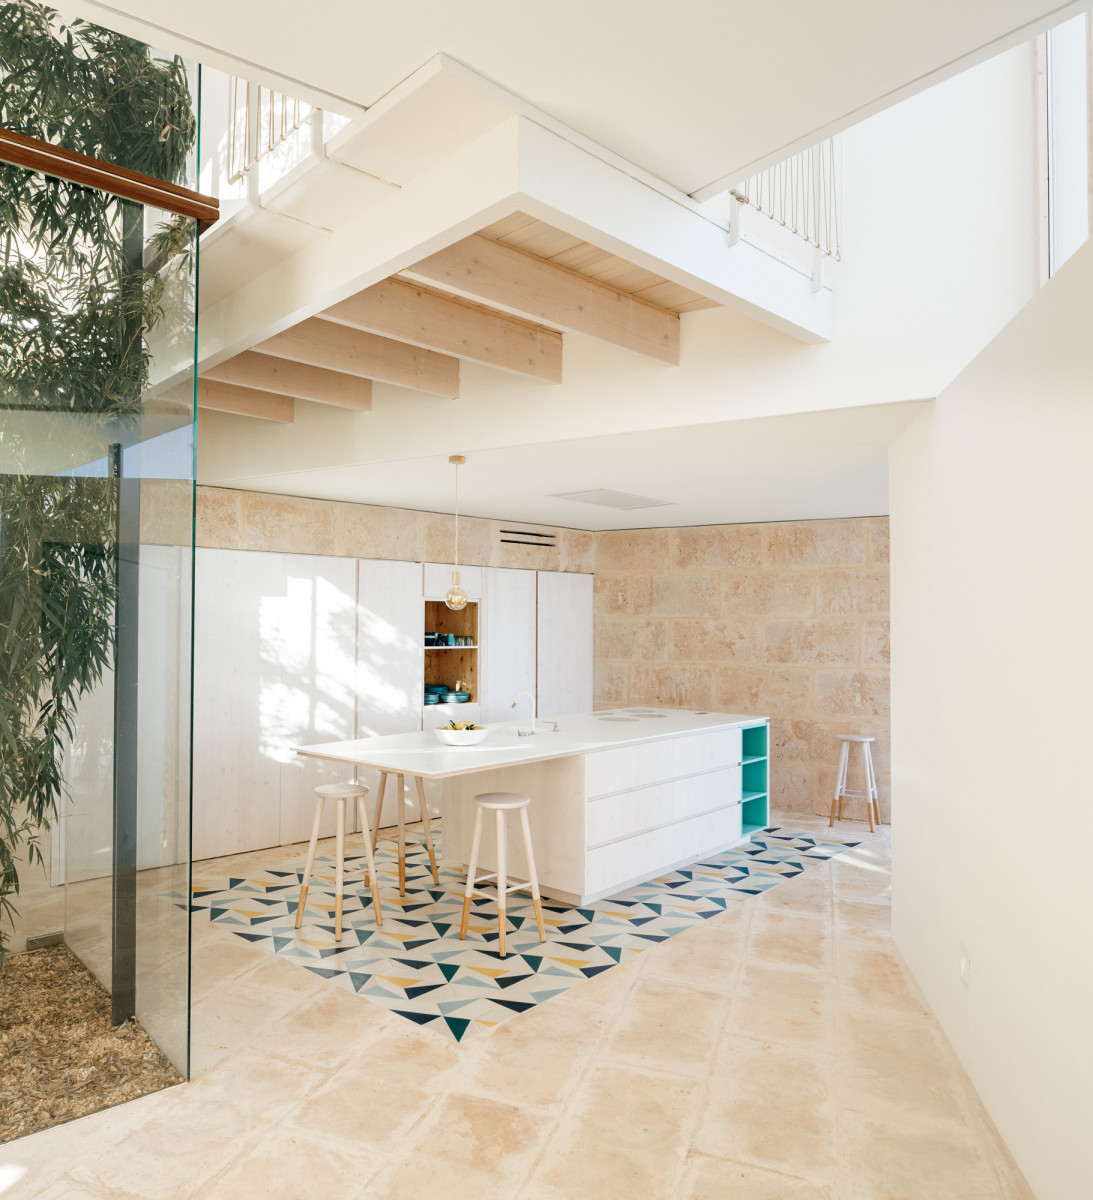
x=236, y=520
x=786, y=620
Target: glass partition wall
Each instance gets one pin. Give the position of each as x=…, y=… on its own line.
x=97, y=442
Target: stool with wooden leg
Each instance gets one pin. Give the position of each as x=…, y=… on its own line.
x=400, y=817
x=501, y=803
x=869, y=778
x=340, y=793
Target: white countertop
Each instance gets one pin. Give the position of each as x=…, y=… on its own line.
x=580, y=733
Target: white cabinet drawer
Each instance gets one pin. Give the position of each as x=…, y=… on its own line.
x=707, y=751
x=617, y=816
x=635, y=858
x=438, y=578
x=700, y=835
x=701, y=793
x=628, y=767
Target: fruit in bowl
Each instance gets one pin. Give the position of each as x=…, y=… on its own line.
x=461, y=733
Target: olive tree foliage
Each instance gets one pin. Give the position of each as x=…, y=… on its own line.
x=81, y=286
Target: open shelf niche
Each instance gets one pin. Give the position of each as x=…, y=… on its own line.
x=453, y=664
x=756, y=780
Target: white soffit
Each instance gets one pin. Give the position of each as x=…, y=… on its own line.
x=689, y=91
x=803, y=467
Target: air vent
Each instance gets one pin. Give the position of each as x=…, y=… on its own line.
x=527, y=537
x=606, y=498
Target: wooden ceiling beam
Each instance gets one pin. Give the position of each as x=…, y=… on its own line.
x=286, y=378
x=495, y=273
x=339, y=348
x=398, y=309
x=244, y=401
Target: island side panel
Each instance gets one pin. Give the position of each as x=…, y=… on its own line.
x=556, y=815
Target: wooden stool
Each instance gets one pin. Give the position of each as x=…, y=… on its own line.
x=501, y=803
x=340, y=792
x=401, y=815
x=842, y=792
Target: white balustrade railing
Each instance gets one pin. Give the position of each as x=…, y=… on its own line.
x=259, y=120
x=802, y=194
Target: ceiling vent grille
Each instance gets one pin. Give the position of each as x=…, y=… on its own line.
x=608, y=498
x=528, y=537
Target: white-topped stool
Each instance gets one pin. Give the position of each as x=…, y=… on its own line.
x=400, y=813
x=501, y=803
x=340, y=793
x=842, y=792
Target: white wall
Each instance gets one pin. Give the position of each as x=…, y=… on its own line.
x=940, y=237
x=992, y=666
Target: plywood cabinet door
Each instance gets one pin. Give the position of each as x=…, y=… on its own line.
x=237, y=766
x=390, y=659
x=564, y=654
x=309, y=629
x=508, y=641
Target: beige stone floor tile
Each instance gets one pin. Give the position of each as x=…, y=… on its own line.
x=625, y=1135
x=65, y=1188
x=718, y=1179
x=898, y=1161
x=217, y=961
x=535, y=1060
x=326, y=1029
x=228, y=1018
x=870, y=974
x=708, y=956
x=899, y=1062
x=808, y=894
x=383, y=1089
x=863, y=919
x=293, y=1165
x=669, y=1027
x=788, y=940
x=177, y=1149
x=610, y=988
x=771, y=1106
x=795, y=1008
x=860, y=875
x=470, y=1147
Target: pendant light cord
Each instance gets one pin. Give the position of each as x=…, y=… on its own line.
x=456, y=564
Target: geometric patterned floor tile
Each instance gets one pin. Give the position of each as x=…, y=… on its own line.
x=416, y=966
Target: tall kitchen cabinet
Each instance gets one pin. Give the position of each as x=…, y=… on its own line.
x=274, y=668
x=564, y=643
x=390, y=661
x=510, y=636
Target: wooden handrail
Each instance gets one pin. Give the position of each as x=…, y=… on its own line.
x=30, y=152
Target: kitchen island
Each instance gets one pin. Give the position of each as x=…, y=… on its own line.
x=617, y=797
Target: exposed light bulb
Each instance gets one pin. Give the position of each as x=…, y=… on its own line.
x=455, y=597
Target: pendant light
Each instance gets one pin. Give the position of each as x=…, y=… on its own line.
x=455, y=597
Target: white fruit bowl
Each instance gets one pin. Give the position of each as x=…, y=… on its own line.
x=461, y=737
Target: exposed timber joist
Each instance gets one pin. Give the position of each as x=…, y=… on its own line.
x=287, y=378
x=494, y=273
x=338, y=348
x=244, y=401
x=398, y=309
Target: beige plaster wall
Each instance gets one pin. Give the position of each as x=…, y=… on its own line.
x=787, y=620
x=237, y=520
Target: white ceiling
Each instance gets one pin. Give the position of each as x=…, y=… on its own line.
x=803, y=467
x=689, y=90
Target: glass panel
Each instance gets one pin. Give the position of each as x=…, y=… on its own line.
x=97, y=427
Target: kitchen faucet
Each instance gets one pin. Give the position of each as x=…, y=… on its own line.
x=531, y=729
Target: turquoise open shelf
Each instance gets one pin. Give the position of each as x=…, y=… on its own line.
x=755, y=807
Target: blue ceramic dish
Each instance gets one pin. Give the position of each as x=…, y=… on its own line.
x=432, y=697
x=456, y=697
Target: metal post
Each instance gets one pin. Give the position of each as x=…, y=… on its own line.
x=123, y=988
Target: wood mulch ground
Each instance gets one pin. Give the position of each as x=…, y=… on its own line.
x=60, y=1057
